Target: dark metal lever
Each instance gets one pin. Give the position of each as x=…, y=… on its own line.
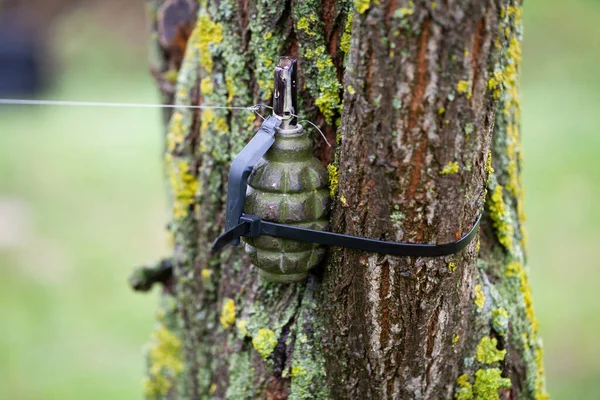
x=241, y=168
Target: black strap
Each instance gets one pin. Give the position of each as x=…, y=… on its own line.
x=251, y=226
x=239, y=224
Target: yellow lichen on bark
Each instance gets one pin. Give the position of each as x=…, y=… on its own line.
x=264, y=342
x=465, y=389
x=516, y=269
x=464, y=87
x=227, y=313
x=333, y=179
x=206, y=86
x=487, y=383
x=362, y=5
x=346, y=39
x=184, y=185
x=450, y=169
x=487, y=351
x=479, y=296
x=165, y=363
x=204, y=35
x=176, y=133
x=498, y=213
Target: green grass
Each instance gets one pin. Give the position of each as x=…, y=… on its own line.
x=562, y=182
x=82, y=199
x=84, y=187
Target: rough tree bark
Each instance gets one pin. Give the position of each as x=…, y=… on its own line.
x=421, y=99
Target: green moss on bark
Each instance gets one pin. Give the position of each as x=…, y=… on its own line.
x=506, y=207
x=308, y=363
x=241, y=378
x=165, y=353
x=321, y=78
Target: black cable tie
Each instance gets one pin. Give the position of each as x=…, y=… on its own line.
x=252, y=225
x=239, y=224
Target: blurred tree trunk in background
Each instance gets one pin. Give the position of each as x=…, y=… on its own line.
x=421, y=100
x=29, y=28
x=40, y=15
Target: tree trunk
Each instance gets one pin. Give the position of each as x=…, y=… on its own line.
x=421, y=102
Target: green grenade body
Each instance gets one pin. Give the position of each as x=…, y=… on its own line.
x=289, y=186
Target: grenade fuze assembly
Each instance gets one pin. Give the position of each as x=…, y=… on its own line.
x=278, y=199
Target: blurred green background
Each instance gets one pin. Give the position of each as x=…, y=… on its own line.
x=82, y=202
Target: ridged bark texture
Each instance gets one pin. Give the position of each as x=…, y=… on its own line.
x=421, y=101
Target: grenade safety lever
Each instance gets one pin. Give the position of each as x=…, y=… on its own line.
x=276, y=178
x=241, y=167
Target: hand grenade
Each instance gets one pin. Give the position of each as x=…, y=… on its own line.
x=288, y=186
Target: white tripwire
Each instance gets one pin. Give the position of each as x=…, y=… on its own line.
x=253, y=108
x=108, y=104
